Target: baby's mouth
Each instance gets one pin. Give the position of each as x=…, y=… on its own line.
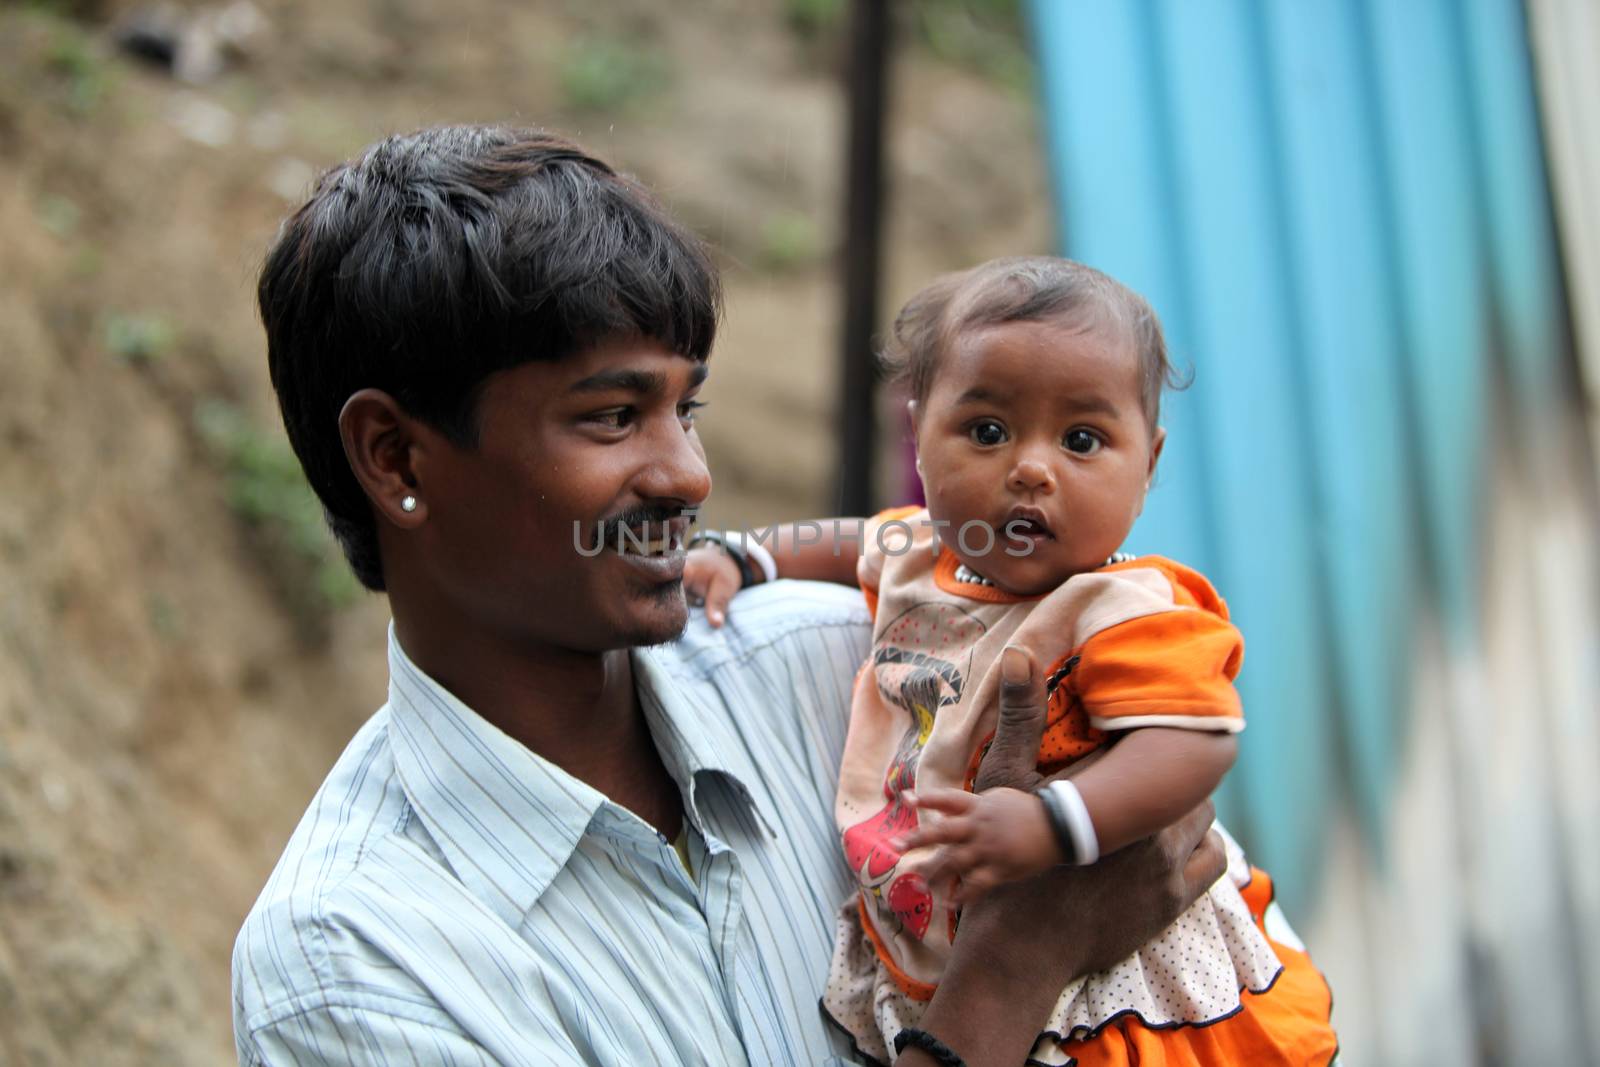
x=1028, y=523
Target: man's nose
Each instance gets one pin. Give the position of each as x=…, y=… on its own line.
x=1031, y=476
x=677, y=469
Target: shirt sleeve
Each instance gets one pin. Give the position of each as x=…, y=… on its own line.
x=352, y=1036
x=1172, y=668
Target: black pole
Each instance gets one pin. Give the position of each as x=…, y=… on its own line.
x=864, y=198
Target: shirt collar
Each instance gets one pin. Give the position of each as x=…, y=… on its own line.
x=694, y=739
x=508, y=820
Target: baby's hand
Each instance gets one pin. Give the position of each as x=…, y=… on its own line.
x=981, y=840
x=711, y=577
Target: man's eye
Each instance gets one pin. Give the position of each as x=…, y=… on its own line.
x=1082, y=442
x=687, y=409
x=615, y=418
x=988, y=433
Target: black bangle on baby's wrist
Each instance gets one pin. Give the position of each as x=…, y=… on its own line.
x=1070, y=821
x=747, y=573
x=1059, y=824
x=911, y=1037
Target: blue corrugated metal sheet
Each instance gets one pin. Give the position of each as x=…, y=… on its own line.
x=1339, y=209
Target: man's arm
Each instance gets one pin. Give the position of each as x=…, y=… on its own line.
x=1019, y=946
x=349, y=1036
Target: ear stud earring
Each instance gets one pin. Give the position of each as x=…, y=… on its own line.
x=408, y=503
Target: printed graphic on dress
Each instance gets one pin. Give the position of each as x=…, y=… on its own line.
x=920, y=663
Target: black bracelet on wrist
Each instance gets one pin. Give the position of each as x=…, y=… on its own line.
x=914, y=1038
x=747, y=573
x=1059, y=824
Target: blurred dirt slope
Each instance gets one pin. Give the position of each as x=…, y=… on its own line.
x=179, y=660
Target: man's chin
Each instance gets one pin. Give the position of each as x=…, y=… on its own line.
x=659, y=617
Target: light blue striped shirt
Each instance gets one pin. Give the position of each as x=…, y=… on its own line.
x=452, y=898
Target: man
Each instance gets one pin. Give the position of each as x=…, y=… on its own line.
x=556, y=843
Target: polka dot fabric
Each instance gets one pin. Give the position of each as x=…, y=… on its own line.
x=1194, y=973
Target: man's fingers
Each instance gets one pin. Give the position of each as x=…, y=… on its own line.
x=973, y=885
x=1014, y=752
x=1190, y=832
x=1206, y=864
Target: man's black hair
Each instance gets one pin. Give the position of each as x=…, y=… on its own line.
x=438, y=258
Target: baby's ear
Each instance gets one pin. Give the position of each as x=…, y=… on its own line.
x=1156, y=444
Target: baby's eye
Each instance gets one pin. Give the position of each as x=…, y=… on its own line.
x=1082, y=442
x=988, y=433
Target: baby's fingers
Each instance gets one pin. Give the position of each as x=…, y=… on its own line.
x=949, y=862
x=945, y=801
x=718, y=592
x=698, y=569
x=951, y=830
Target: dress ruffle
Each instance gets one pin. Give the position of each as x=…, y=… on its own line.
x=1193, y=973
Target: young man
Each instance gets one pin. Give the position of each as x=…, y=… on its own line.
x=575, y=833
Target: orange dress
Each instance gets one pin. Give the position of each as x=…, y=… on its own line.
x=1149, y=645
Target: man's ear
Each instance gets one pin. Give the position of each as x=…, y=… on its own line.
x=381, y=443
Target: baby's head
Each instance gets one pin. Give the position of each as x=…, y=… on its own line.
x=1035, y=396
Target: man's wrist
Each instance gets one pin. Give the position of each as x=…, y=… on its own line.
x=932, y=1049
x=991, y=1003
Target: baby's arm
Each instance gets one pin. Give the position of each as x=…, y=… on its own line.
x=819, y=550
x=1146, y=781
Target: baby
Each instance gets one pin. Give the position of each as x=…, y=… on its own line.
x=1035, y=386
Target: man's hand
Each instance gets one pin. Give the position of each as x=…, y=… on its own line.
x=1136, y=896
x=1025, y=941
x=711, y=577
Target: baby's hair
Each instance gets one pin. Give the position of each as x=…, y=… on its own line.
x=1026, y=289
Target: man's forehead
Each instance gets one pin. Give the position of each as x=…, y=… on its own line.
x=636, y=379
x=633, y=364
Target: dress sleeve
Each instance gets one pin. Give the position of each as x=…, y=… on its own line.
x=1172, y=667
x=870, y=568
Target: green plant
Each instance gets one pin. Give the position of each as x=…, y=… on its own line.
x=73, y=55
x=606, y=74
x=165, y=619
x=139, y=338
x=58, y=215
x=812, y=19
x=268, y=492
x=985, y=35
x=789, y=239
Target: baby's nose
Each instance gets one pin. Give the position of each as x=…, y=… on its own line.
x=1030, y=474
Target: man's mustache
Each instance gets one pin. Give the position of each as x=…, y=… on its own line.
x=641, y=518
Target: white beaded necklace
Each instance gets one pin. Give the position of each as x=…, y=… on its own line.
x=966, y=574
